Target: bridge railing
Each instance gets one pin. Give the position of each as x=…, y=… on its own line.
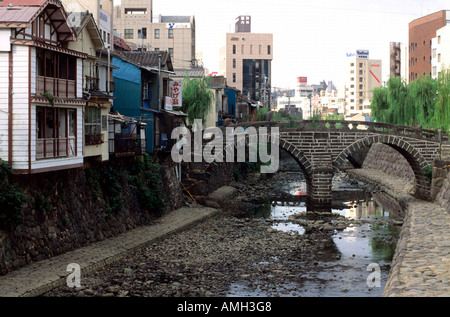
x=342, y=125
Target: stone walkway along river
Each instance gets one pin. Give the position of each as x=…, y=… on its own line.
x=420, y=267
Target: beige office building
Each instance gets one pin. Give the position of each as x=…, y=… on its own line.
x=134, y=22
x=245, y=61
x=364, y=77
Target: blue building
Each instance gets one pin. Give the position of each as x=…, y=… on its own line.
x=141, y=85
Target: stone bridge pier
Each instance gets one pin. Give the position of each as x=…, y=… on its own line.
x=319, y=188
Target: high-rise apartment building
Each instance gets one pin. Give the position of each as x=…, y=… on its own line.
x=364, y=77
x=398, y=60
x=421, y=33
x=440, y=51
x=133, y=20
x=246, y=60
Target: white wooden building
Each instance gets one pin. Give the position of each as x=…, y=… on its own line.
x=41, y=93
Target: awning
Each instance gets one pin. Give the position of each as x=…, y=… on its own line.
x=175, y=113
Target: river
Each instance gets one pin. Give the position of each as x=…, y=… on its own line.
x=357, y=259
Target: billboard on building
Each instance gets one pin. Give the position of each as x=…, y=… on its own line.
x=175, y=92
x=302, y=81
x=362, y=54
x=178, y=25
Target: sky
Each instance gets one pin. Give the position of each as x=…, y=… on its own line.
x=311, y=38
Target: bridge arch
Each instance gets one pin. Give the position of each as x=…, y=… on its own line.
x=413, y=156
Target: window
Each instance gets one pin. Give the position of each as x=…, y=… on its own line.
x=234, y=49
x=171, y=52
x=439, y=39
x=55, y=132
x=170, y=33
x=128, y=33
x=234, y=77
x=93, y=126
x=135, y=10
x=156, y=33
x=268, y=49
x=156, y=49
x=142, y=33
x=434, y=53
x=439, y=57
x=234, y=62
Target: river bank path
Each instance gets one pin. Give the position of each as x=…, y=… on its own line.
x=421, y=265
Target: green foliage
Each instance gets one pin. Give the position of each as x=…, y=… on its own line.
x=423, y=102
x=197, y=98
x=146, y=179
x=12, y=198
x=93, y=182
x=428, y=172
x=111, y=182
x=442, y=109
x=261, y=114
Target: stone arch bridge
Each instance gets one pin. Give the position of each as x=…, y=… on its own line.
x=321, y=147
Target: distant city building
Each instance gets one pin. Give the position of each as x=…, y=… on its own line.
x=440, y=51
x=364, y=77
x=243, y=24
x=101, y=11
x=133, y=20
x=421, y=33
x=246, y=62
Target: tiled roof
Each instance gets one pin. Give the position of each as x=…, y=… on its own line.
x=120, y=42
x=191, y=72
x=148, y=58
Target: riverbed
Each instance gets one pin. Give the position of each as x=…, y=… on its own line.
x=265, y=243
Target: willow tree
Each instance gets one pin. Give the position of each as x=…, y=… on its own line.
x=421, y=102
x=442, y=109
x=397, y=98
x=198, y=98
x=379, y=106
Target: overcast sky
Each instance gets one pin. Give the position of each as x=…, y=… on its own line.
x=311, y=38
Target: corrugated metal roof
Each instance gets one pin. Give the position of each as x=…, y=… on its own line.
x=21, y=3
x=17, y=14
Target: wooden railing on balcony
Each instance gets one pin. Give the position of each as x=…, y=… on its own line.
x=126, y=145
x=58, y=87
x=55, y=147
x=93, y=139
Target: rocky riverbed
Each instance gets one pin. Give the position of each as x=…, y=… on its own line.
x=230, y=252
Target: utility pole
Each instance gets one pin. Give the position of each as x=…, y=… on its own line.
x=159, y=81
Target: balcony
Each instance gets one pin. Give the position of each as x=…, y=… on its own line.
x=55, y=147
x=93, y=139
x=58, y=87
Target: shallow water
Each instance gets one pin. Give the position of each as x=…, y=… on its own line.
x=358, y=264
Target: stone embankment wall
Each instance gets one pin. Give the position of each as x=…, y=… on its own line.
x=386, y=159
x=72, y=208
x=441, y=181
